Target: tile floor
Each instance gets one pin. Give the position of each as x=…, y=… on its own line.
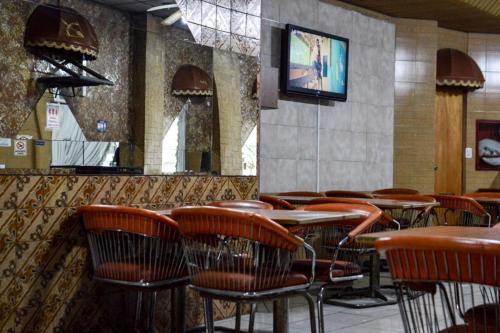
x=338, y=319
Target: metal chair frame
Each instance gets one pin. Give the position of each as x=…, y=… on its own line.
x=346, y=245
x=492, y=208
x=467, y=211
x=411, y=217
x=442, y=284
x=137, y=248
x=276, y=202
x=347, y=194
x=256, y=204
x=395, y=190
x=224, y=242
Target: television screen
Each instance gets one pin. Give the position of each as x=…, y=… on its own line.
x=315, y=64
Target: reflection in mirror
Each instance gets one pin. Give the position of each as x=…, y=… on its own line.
x=52, y=138
x=71, y=148
x=204, y=133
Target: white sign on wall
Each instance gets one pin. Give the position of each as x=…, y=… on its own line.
x=53, y=116
x=20, y=148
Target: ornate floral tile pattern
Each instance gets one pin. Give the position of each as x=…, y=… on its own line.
x=45, y=279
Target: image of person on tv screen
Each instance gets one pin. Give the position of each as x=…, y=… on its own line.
x=317, y=64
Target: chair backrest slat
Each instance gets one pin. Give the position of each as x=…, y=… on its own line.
x=241, y=204
x=276, y=202
x=347, y=194
x=133, y=245
x=396, y=191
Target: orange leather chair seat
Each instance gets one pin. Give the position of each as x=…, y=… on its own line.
x=322, y=270
x=246, y=282
x=455, y=329
x=469, y=329
x=485, y=316
x=134, y=272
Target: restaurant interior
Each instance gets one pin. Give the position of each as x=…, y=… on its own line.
x=250, y=166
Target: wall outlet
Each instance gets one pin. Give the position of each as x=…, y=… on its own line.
x=468, y=152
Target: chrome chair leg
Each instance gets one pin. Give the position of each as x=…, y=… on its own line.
x=321, y=318
x=209, y=316
x=152, y=307
x=237, y=326
x=252, y=318
x=138, y=305
x=178, y=310
x=312, y=315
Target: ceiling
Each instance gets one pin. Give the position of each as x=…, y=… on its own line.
x=141, y=6
x=481, y=16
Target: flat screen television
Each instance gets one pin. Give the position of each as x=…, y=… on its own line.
x=314, y=64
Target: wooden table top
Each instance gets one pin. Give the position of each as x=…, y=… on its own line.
x=292, y=217
x=381, y=203
x=487, y=235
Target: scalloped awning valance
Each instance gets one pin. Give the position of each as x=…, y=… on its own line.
x=190, y=80
x=456, y=69
x=61, y=31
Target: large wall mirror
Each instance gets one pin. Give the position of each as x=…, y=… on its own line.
x=140, y=123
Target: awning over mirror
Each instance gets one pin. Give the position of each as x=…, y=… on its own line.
x=61, y=30
x=63, y=37
x=457, y=69
x=191, y=80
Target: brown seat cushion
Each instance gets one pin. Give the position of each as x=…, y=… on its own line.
x=485, y=316
x=136, y=272
x=257, y=281
x=469, y=329
x=455, y=329
x=322, y=270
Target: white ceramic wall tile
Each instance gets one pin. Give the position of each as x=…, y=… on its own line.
x=338, y=116
x=300, y=12
x=306, y=175
x=308, y=115
x=279, y=141
x=271, y=9
x=278, y=170
x=342, y=25
x=307, y=142
x=356, y=136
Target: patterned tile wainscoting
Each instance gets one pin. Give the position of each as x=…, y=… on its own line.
x=45, y=275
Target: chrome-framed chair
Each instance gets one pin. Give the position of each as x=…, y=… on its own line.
x=276, y=202
x=411, y=217
x=347, y=194
x=241, y=257
x=138, y=249
x=493, y=207
x=302, y=194
x=339, y=256
x=395, y=190
x=460, y=210
x=447, y=282
x=252, y=204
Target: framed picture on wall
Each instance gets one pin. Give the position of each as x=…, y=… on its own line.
x=488, y=145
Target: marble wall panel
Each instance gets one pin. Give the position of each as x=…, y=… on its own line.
x=19, y=93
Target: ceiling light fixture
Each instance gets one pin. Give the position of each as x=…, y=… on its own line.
x=169, y=6
x=172, y=18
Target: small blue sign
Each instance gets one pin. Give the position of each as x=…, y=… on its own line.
x=102, y=126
